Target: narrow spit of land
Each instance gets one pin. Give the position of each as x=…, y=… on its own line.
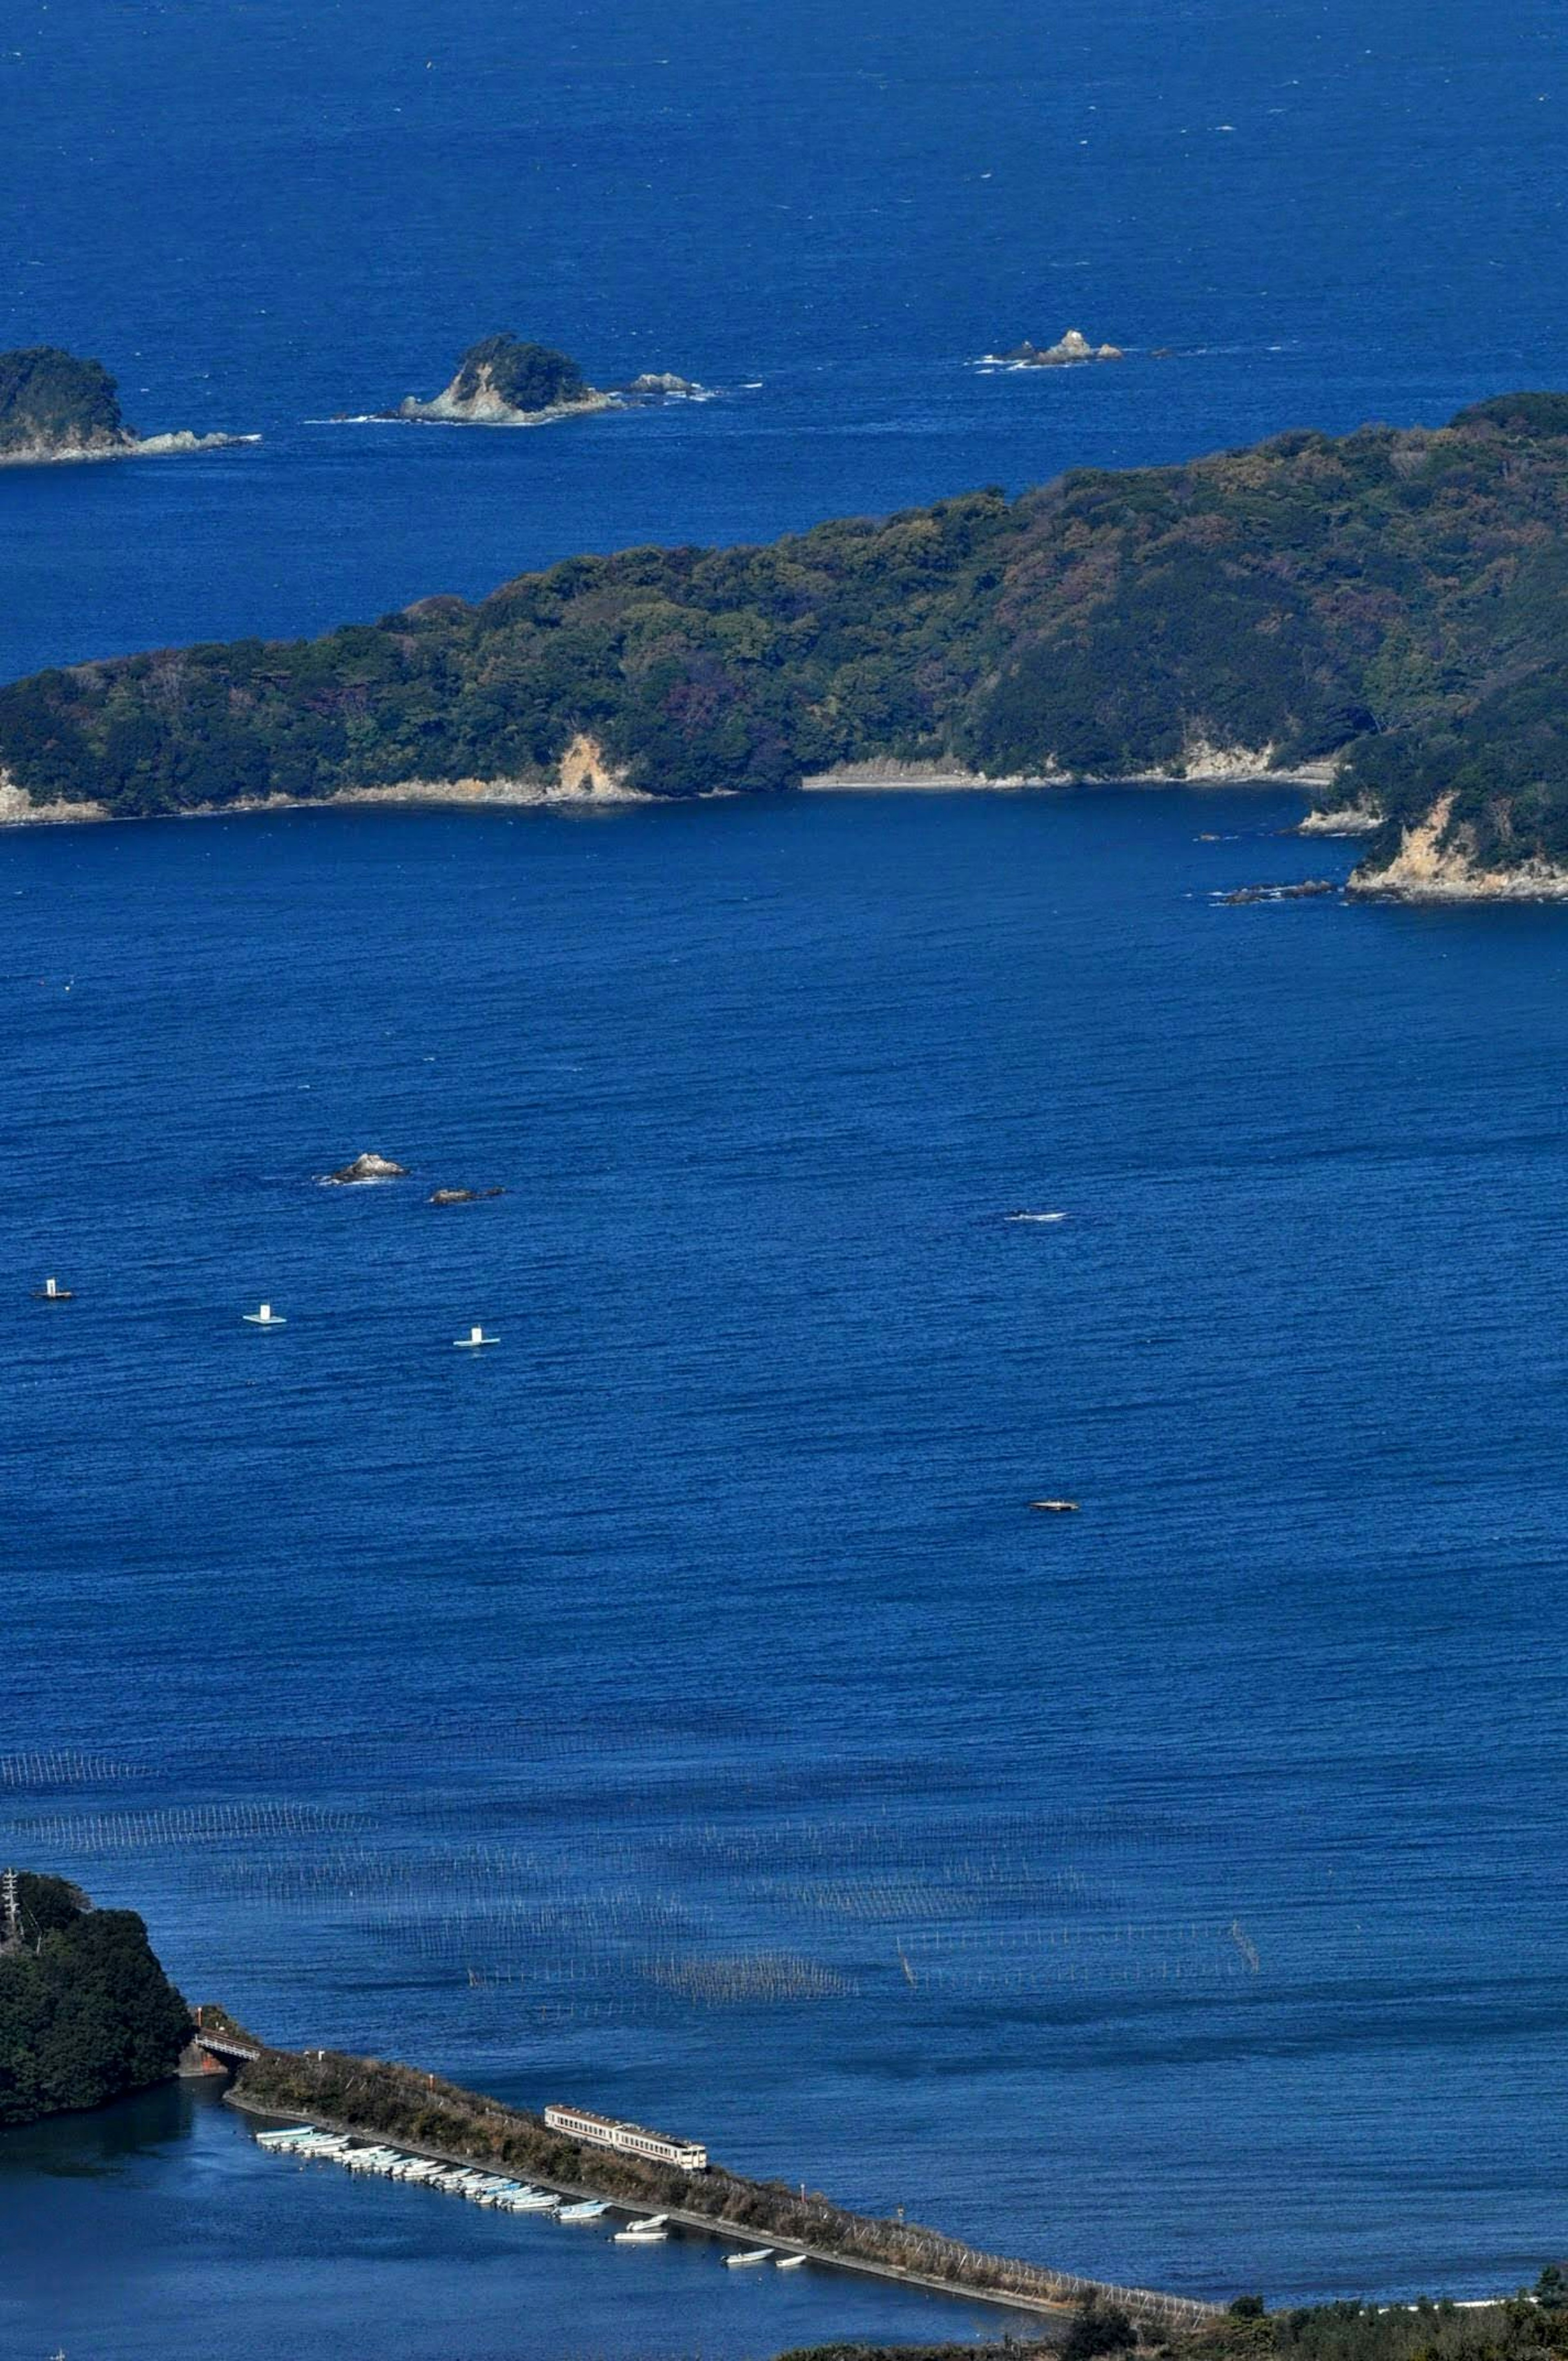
x=366, y=2097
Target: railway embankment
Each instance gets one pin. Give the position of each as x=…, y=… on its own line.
x=371, y=2098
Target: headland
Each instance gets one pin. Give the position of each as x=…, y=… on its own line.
x=1308, y=612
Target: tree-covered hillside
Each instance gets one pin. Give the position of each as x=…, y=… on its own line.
x=86, y=2013
x=49, y=400
x=526, y=376
x=1396, y=598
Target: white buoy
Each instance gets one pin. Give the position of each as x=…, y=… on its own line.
x=265, y=1318
x=472, y=1340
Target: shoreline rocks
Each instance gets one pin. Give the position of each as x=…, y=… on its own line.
x=1438, y=861
x=1069, y=351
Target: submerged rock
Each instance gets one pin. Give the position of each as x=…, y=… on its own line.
x=1305, y=892
x=663, y=384
x=368, y=1167
x=461, y=1196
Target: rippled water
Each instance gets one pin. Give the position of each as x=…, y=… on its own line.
x=678, y=1709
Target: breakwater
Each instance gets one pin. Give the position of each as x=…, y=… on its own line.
x=378, y=2100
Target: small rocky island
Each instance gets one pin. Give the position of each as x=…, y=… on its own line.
x=366, y=1168
x=86, y=2013
x=504, y=381
x=54, y=406
x=1067, y=353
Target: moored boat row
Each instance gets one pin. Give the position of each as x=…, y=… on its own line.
x=481, y=2188
x=493, y=2188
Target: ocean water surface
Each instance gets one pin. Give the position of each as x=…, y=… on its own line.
x=678, y=1709
x=264, y=214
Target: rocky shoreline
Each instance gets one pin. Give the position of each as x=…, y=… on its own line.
x=1203, y=764
x=133, y=446
x=1434, y=865
x=1426, y=868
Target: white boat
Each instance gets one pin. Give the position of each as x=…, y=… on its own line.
x=472, y=1340
x=534, y=2200
x=639, y=2237
x=740, y=2262
x=791, y=2262
x=264, y=1317
x=589, y=2211
x=276, y=2140
x=52, y=1291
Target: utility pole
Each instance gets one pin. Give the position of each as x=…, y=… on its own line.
x=10, y=1912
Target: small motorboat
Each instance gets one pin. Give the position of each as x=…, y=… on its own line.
x=589, y=2211
x=1056, y=1508
x=740, y=2262
x=639, y=2237
x=52, y=1291
x=791, y=2262
x=264, y=1317
x=472, y=1340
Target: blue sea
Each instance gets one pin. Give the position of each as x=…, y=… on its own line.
x=678, y=1709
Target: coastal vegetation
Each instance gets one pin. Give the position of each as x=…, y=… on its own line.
x=397, y=2103
x=502, y=380
x=50, y=401
x=55, y=406
x=1531, y=2325
x=524, y=375
x=86, y=2013
x=1387, y=606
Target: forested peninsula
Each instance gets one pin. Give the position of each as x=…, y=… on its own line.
x=86, y=2013
x=1380, y=615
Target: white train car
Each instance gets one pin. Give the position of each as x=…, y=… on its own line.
x=632, y=2139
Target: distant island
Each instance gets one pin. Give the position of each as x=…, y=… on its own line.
x=1377, y=617
x=502, y=381
x=1067, y=353
x=86, y=2013
x=54, y=407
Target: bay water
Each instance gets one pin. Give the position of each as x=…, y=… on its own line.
x=678, y=1709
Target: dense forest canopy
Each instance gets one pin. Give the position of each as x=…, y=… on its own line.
x=49, y=399
x=1395, y=598
x=86, y=2013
